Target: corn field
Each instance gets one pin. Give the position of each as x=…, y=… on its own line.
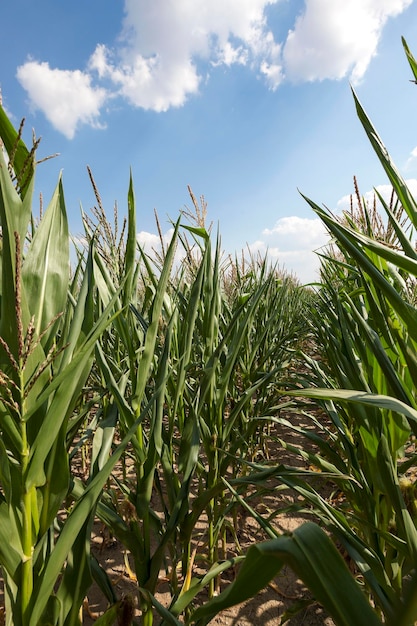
x=143, y=391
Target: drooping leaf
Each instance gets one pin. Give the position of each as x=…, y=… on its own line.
x=312, y=555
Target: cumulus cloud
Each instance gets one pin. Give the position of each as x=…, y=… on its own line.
x=412, y=159
x=67, y=98
x=152, y=242
x=291, y=243
x=156, y=64
x=333, y=38
x=166, y=51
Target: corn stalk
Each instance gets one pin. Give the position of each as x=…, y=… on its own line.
x=47, y=343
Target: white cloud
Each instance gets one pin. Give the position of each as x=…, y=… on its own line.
x=155, y=66
x=273, y=74
x=151, y=241
x=412, y=159
x=291, y=243
x=166, y=50
x=66, y=97
x=334, y=38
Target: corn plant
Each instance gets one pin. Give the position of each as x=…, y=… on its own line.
x=48, y=331
x=365, y=319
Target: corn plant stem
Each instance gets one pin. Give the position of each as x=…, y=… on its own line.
x=27, y=577
x=186, y=556
x=211, y=546
x=146, y=536
x=139, y=435
x=212, y=479
x=147, y=614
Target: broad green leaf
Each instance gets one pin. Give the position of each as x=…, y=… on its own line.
x=198, y=584
x=14, y=218
x=77, y=576
x=406, y=527
x=312, y=555
x=130, y=258
x=360, y=397
x=10, y=549
x=401, y=189
x=81, y=512
x=46, y=267
x=151, y=334
x=65, y=387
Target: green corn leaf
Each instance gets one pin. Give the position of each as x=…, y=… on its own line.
x=384, y=361
x=54, y=491
x=312, y=555
x=402, y=236
x=82, y=320
x=23, y=161
x=199, y=232
x=410, y=58
x=186, y=337
x=103, y=438
x=14, y=218
x=360, y=397
x=77, y=577
x=110, y=617
x=406, y=612
x=119, y=613
x=168, y=617
x=350, y=241
x=46, y=268
x=10, y=549
x=389, y=479
x=401, y=189
x=152, y=332
x=103, y=581
x=130, y=258
x=11, y=434
x=66, y=385
x=123, y=406
x=346, y=236
x=181, y=505
x=79, y=515
x=198, y=584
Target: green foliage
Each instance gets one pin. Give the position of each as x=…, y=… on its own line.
x=193, y=359
x=365, y=320
x=46, y=352
x=172, y=367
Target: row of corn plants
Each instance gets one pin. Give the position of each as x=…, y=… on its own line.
x=210, y=377
x=48, y=333
x=365, y=318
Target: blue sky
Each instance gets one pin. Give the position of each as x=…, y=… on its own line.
x=246, y=101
